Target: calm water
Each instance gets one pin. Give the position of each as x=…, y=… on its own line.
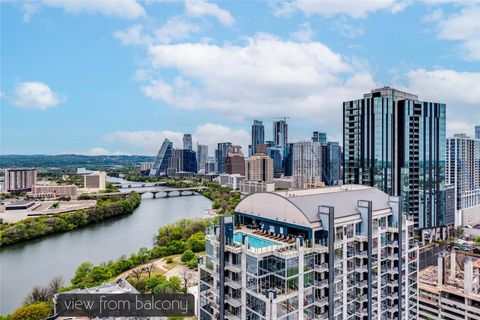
x=33, y=263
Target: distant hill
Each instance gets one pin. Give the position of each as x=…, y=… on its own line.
x=69, y=161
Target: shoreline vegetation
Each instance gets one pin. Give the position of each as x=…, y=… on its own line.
x=37, y=227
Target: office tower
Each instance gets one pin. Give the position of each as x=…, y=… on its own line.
x=477, y=132
x=275, y=153
x=17, y=180
x=261, y=148
x=96, y=180
x=396, y=143
x=258, y=135
x=287, y=160
x=306, y=164
x=184, y=160
x=234, y=149
x=463, y=172
x=451, y=288
x=235, y=164
x=145, y=166
x=187, y=141
x=163, y=159
x=259, y=168
x=221, y=155
x=331, y=163
x=202, y=156
x=328, y=253
x=320, y=137
x=280, y=134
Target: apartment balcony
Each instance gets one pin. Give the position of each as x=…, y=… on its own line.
x=236, y=268
x=231, y=316
x=234, y=284
x=234, y=302
x=361, y=312
x=321, y=302
x=362, y=298
x=321, y=267
x=321, y=283
x=362, y=254
x=361, y=268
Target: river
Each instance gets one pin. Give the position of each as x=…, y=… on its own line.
x=36, y=262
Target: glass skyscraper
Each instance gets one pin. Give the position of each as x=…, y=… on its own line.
x=396, y=143
x=258, y=135
x=477, y=132
x=280, y=134
x=163, y=159
x=320, y=137
x=221, y=155
x=331, y=163
x=187, y=141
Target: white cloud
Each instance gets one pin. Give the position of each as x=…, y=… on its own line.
x=204, y=8
x=353, y=8
x=459, y=90
x=265, y=76
x=348, y=29
x=35, y=95
x=175, y=29
x=132, y=36
x=126, y=9
x=463, y=26
x=304, y=33
x=150, y=141
x=29, y=9
x=98, y=151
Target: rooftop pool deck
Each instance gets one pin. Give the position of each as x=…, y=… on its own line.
x=254, y=241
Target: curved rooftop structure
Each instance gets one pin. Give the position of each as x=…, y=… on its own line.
x=301, y=207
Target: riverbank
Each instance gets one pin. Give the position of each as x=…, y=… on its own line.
x=33, y=228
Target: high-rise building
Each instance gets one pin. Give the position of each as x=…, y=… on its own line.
x=258, y=135
x=276, y=154
x=17, y=180
x=235, y=164
x=163, y=159
x=477, y=132
x=221, y=155
x=331, y=163
x=463, y=172
x=306, y=164
x=331, y=253
x=287, y=160
x=187, y=141
x=202, y=157
x=280, y=134
x=184, y=160
x=259, y=167
x=320, y=137
x=396, y=143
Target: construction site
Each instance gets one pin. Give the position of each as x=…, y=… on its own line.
x=451, y=288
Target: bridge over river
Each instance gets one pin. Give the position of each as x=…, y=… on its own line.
x=162, y=193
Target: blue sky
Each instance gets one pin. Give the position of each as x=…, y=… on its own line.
x=110, y=77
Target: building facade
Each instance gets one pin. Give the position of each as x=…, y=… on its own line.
x=221, y=155
x=187, y=141
x=163, y=160
x=280, y=134
x=54, y=191
x=320, y=137
x=184, y=160
x=306, y=164
x=331, y=163
x=396, y=143
x=463, y=172
x=258, y=135
x=259, y=167
x=327, y=253
x=477, y=132
x=18, y=180
x=202, y=157
x=230, y=180
x=96, y=180
x=235, y=164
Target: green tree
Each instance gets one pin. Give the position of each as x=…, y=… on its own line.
x=187, y=256
x=35, y=311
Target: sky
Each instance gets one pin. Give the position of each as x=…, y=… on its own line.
x=117, y=77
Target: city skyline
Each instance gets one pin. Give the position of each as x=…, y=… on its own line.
x=126, y=90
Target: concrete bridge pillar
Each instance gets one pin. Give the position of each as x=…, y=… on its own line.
x=167, y=194
x=154, y=195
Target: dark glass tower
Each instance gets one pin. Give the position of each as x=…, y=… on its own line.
x=396, y=143
x=331, y=163
x=221, y=155
x=319, y=137
x=163, y=159
x=258, y=135
x=280, y=134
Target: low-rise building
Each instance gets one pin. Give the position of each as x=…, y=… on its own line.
x=329, y=253
x=230, y=180
x=96, y=180
x=450, y=289
x=248, y=187
x=54, y=191
x=19, y=205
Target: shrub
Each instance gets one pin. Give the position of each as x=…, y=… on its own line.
x=35, y=311
x=187, y=256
